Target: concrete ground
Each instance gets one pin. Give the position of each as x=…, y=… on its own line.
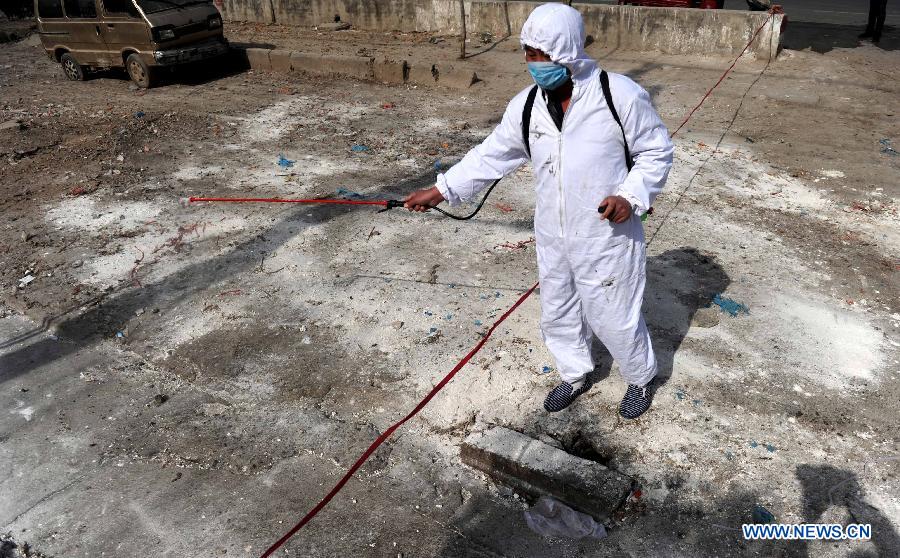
x=189, y=381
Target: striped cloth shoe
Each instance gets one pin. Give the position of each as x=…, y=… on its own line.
x=564, y=394
x=635, y=402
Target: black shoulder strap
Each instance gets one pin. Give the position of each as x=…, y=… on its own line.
x=604, y=82
x=526, y=118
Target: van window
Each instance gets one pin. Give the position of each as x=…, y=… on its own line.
x=153, y=6
x=80, y=9
x=120, y=8
x=49, y=8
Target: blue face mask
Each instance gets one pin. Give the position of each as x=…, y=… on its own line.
x=548, y=75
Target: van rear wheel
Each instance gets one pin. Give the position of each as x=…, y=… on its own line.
x=139, y=72
x=71, y=67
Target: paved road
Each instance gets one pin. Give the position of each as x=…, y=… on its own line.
x=838, y=12
x=846, y=12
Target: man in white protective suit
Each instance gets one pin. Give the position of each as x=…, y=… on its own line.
x=598, y=169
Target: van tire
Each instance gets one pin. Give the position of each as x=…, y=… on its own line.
x=139, y=72
x=73, y=70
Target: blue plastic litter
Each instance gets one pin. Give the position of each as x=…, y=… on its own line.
x=284, y=162
x=762, y=515
x=359, y=148
x=753, y=443
x=432, y=330
x=679, y=395
x=546, y=369
x=438, y=165
x=886, y=147
x=120, y=334
x=770, y=448
x=732, y=307
x=449, y=317
x=139, y=114
x=478, y=322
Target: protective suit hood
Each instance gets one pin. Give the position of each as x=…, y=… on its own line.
x=558, y=30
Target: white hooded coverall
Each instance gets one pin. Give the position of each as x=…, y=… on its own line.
x=591, y=271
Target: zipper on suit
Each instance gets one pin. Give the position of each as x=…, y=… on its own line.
x=559, y=175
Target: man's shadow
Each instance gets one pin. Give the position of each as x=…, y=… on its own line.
x=680, y=281
x=825, y=486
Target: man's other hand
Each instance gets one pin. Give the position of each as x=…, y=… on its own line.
x=423, y=200
x=618, y=210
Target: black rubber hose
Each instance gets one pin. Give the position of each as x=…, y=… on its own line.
x=470, y=215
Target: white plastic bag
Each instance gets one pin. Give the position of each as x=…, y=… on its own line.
x=555, y=519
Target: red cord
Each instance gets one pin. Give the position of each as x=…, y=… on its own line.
x=721, y=79
x=387, y=433
x=280, y=200
x=434, y=391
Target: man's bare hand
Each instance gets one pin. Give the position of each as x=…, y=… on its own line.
x=423, y=200
x=618, y=210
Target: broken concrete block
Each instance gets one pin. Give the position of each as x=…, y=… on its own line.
x=539, y=469
x=333, y=26
x=11, y=125
x=422, y=75
x=358, y=67
x=281, y=60
x=258, y=59
x=389, y=71
x=457, y=78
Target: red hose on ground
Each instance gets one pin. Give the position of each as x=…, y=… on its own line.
x=387, y=433
x=383, y=203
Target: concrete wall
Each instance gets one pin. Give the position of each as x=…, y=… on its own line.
x=667, y=30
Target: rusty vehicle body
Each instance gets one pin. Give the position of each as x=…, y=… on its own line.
x=141, y=36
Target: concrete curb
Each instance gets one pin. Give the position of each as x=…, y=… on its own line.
x=382, y=70
x=540, y=469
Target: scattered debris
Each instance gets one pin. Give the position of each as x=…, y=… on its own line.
x=546, y=369
x=388, y=106
x=24, y=281
x=433, y=335
x=503, y=207
x=284, y=162
x=517, y=245
x=160, y=398
x=139, y=114
x=732, y=307
x=349, y=194
x=359, y=148
x=555, y=519
x=886, y=147
x=397, y=325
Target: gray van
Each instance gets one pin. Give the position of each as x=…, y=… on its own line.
x=141, y=36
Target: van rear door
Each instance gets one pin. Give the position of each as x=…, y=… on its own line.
x=123, y=28
x=85, y=36
x=52, y=25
